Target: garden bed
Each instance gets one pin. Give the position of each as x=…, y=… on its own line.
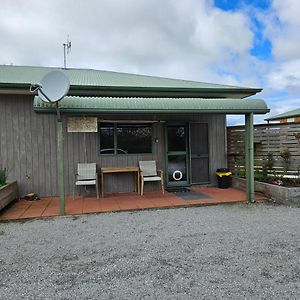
x=280, y=194
x=8, y=193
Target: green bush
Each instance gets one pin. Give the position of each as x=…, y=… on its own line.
x=241, y=173
x=286, y=156
x=260, y=176
x=291, y=182
x=3, y=176
x=268, y=166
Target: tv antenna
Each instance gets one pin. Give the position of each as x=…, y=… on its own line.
x=67, y=50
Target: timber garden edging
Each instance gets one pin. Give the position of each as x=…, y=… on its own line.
x=8, y=193
x=277, y=193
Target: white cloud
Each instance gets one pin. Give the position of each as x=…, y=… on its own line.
x=282, y=77
x=286, y=75
x=184, y=39
x=283, y=29
x=188, y=39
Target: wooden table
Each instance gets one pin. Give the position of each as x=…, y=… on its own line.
x=134, y=170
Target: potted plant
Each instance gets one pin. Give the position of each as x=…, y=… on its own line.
x=3, y=177
x=8, y=190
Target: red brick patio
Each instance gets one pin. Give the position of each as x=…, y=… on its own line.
x=47, y=207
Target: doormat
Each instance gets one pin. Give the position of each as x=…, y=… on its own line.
x=187, y=194
x=178, y=190
x=191, y=195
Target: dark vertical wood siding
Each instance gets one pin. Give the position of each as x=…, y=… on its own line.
x=199, y=152
x=28, y=147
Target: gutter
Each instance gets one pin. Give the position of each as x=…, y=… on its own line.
x=139, y=111
x=75, y=90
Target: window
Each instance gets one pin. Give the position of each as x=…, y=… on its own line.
x=107, y=138
x=118, y=138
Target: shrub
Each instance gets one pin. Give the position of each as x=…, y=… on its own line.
x=291, y=182
x=260, y=176
x=241, y=173
x=268, y=166
x=286, y=156
x=3, y=176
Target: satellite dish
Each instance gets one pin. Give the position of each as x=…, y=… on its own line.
x=54, y=86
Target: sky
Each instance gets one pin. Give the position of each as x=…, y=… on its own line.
x=244, y=43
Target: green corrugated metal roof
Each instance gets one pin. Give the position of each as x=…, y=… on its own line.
x=152, y=105
x=288, y=114
x=88, y=77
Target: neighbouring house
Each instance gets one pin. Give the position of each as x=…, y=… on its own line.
x=117, y=119
x=292, y=116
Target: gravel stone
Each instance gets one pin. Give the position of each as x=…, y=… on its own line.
x=236, y=251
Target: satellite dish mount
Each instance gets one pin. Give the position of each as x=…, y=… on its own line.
x=53, y=87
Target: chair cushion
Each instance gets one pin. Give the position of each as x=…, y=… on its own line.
x=86, y=177
x=85, y=182
x=152, y=178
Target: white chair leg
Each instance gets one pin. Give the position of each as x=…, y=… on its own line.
x=142, y=186
x=97, y=189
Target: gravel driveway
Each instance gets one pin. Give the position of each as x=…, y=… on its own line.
x=227, y=251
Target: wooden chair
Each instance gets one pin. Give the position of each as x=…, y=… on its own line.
x=87, y=175
x=148, y=172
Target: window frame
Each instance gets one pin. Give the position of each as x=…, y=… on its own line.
x=115, y=147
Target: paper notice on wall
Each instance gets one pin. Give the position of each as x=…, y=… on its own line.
x=82, y=124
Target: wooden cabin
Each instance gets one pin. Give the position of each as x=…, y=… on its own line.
x=116, y=120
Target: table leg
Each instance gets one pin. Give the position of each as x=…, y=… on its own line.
x=102, y=185
x=138, y=182
x=135, y=180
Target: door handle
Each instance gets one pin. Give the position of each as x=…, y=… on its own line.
x=199, y=155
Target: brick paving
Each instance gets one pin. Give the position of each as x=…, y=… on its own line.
x=48, y=207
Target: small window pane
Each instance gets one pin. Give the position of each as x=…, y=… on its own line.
x=134, y=138
x=106, y=138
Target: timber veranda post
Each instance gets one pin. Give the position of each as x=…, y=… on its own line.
x=249, y=150
x=60, y=162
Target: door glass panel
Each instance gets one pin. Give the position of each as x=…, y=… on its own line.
x=177, y=168
x=176, y=138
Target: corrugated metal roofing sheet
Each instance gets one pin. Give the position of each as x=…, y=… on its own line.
x=288, y=114
x=90, y=77
x=151, y=105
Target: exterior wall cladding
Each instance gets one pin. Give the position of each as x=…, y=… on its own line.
x=28, y=147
